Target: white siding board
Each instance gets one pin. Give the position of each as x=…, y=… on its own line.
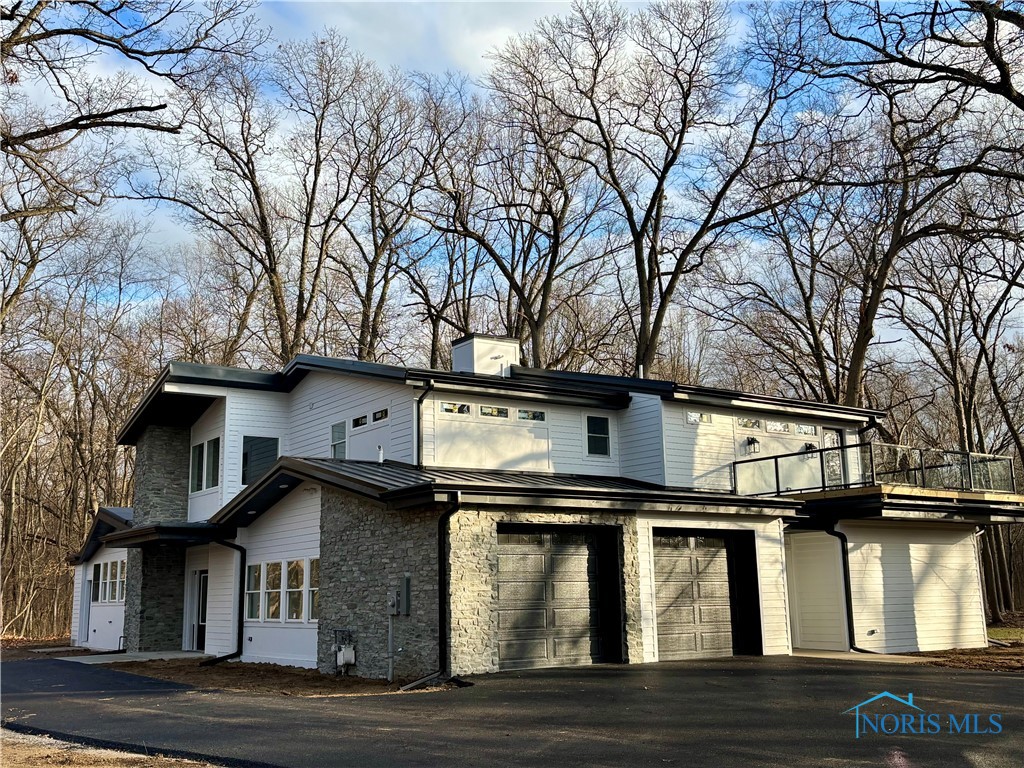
x=202, y=505
x=222, y=600
x=105, y=620
x=289, y=530
x=915, y=588
x=321, y=400
x=698, y=456
x=252, y=414
x=76, y=603
x=641, y=444
x=196, y=559
x=769, y=550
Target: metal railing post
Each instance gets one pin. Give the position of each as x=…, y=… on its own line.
x=821, y=461
x=871, y=463
x=920, y=461
x=970, y=472
x=778, y=479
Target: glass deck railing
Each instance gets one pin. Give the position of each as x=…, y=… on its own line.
x=870, y=464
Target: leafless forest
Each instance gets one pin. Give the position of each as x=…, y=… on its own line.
x=820, y=200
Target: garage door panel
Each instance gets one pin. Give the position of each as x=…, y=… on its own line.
x=672, y=568
x=548, y=603
x=522, y=591
x=521, y=565
x=522, y=651
x=575, y=618
x=692, y=597
x=512, y=619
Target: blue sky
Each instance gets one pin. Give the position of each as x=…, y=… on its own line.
x=422, y=36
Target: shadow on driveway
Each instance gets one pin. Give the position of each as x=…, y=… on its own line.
x=773, y=711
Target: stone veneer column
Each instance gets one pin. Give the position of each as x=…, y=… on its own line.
x=365, y=551
x=473, y=584
x=155, y=595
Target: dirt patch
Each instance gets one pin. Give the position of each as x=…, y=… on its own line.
x=19, y=750
x=1011, y=620
x=257, y=678
x=20, y=648
x=992, y=659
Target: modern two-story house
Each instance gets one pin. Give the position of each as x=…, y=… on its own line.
x=383, y=520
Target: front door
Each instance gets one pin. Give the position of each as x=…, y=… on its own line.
x=202, y=578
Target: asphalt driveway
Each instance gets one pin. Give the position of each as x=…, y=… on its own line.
x=734, y=712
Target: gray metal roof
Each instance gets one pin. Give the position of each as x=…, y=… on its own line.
x=398, y=485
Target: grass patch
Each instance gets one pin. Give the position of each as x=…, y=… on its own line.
x=1007, y=634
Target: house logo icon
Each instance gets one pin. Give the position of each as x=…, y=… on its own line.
x=886, y=723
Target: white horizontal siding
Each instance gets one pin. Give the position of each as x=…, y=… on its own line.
x=76, y=604
x=196, y=559
x=641, y=445
x=321, y=400
x=203, y=504
x=289, y=530
x=698, y=456
x=105, y=626
x=817, y=594
x=557, y=444
x=915, y=588
x=252, y=414
x=768, y=545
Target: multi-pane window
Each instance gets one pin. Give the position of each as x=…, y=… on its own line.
x=253, y=590
x=339, y=437
x=283, y=590
x=598, y=436
x=296, y=575
x=272, y=591
x=314, y=589
x=108, y=581
x=258, y=455
x=205, y=465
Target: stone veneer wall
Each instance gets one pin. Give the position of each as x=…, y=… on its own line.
x=154, y=598
x=155, y=588
x=473, y=586
x=365, y=552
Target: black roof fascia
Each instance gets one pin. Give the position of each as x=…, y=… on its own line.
x=876, y=505
x=106, y=521
x=178, y=533
x=494, y=337
x=667, y=389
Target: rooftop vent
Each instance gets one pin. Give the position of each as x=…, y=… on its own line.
x=478, y=353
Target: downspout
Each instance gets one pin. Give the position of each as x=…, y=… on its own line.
x=455, y=502
x=843, y=544
x=419, y=422
x=241, y=606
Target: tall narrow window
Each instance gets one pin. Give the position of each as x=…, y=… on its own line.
x=272, y=598
x=96, y=582
x=258, y=455
x=253, y=590
x=122, y=580
x=105, y=582
x=314, y=588
x=598, y=436
x=338, y=439
x=296, y=582
x=197, y=468
x=213, y=463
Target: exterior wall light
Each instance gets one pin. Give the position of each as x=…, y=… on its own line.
x=753, y=446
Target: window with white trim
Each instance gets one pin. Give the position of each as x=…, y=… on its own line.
x=253, y=591
x=205, y=472
x=525, y=414
x=314, y=589
x=108, y=581
x=283, y=591
x=358, y=421
x=380, y=415
x=494, y=411
x=339, y=438
x=806, y=429
x=599, y=436
x=744, y=422
x=781, y=427
x=295, y=589
x=462, y=409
